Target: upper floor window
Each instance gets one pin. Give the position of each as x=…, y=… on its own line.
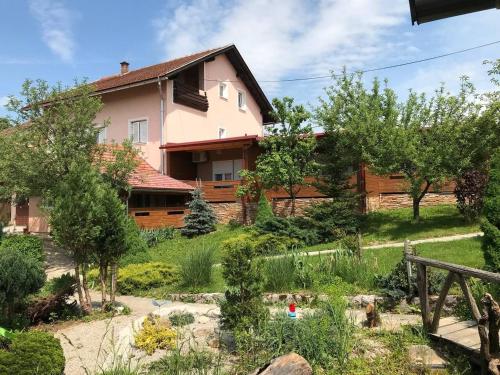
x=138, y=131
x=223, y=90
x=101, y=136
x=222, y=133
x=242, y=100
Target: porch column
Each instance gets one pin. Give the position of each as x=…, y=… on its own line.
x=13, y=211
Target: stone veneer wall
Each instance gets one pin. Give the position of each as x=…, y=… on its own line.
x=282, y=207
x=228, y=211
x=389, y=201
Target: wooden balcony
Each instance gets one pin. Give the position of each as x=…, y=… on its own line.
x=217, y=191
x=190, y=96
x=159, y=217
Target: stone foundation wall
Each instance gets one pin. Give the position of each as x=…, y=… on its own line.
x=390, y=201
x=228, y=211
x=283, y=207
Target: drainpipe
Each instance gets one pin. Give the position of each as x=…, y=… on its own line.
x=162, y=120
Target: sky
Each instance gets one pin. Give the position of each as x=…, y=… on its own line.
x=64, y=40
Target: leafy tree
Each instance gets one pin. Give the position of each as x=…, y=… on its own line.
x=4, y=123
x=21, y=275
x=264, y=210
x=243, y=306
x=201, y=219
x=417, y=137
x=469, y=191
x=288, y=157
x=491, y=223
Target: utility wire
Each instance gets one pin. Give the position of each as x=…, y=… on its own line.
x=378, y=68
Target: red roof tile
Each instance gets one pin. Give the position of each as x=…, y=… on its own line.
x=151, y=72
x=145, y=177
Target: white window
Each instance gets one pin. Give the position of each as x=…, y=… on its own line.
x=223, y=90
x=138, y=131
x=101, y=136
x=242, y=100
x=222, y=133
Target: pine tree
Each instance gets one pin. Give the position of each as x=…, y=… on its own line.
x=202, y=219
x=264, y=210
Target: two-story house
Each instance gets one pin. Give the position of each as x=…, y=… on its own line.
x=197, y=121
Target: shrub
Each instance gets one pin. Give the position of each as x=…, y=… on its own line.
x=191, y=363
x=196, y=267
x=32, y=352
x=155, y=334
x=233, y=224
x=288, y=227
x=137, y=248
x=28, y=245
x=20, y=275
x=469, y=191
x=181, y=319
x=491, y=223
x=243, y=306
x=201, y=219
x=271, y=244
x=279, y=274
x=142, y=277
x=264, y=210
x=395, y=284
x=155, y=236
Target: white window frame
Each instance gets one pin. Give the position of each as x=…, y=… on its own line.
x=102, y=136
x=244, y=96
x=223, y=131
x=225, y=91
x=131, y=130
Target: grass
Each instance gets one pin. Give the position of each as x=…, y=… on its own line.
x=397, y=225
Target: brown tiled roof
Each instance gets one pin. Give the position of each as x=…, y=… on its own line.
x=151, y=72
x=145, y=177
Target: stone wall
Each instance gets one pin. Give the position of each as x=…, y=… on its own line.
x=282, y=207
x=390, y=201
x=228, y=211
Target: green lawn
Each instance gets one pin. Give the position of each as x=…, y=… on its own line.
x=465, y=252
x=397, y=225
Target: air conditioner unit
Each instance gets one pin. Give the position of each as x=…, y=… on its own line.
x=199, y=157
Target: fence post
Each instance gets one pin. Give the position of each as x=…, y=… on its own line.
x=407, y=251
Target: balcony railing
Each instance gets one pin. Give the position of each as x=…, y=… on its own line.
x=190, y=96
x=159, y=217
x=217, y=191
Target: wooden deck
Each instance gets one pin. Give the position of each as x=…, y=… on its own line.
x=460, y=334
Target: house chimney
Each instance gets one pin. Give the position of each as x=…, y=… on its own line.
x=124, y=67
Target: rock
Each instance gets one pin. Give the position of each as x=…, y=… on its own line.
x=404, y=308
x=290, y=364
x=213, y=343
x=423, y=356
x=372, y=349
x=203, y=319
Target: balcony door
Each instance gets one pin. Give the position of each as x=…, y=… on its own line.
x=223, y=170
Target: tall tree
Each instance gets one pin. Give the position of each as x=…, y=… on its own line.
x=288, y=157
x=416, y=137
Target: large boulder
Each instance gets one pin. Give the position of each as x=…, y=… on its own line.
x=290, y=364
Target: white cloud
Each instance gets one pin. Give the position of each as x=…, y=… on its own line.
x=56, y=21
x=3, y=100
x=280, y=38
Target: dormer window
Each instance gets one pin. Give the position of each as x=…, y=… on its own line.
x=223, y=90
x=242, y=100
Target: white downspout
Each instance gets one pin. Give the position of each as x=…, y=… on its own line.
x=162, y=120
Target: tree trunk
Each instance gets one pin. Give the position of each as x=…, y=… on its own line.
x=103, y=277
x=79, y=287
x=114, y=276
x=85, y=285
x=417, y=200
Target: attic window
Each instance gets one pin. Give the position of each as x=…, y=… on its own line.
x=223, y=90
x=242, y=100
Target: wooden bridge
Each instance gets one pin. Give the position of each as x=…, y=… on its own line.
x=480, y=337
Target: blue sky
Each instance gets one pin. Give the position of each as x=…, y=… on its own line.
x=60, y=40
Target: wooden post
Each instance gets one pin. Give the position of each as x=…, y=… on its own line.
x=423, y=287
x=407, y=251
x=359, y=244
x=469, y=298
x=440, y=302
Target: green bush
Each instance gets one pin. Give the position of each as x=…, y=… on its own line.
x=264, y=210
x=28, y=245
x=181, y=319
x=196, y=267
x=31, y=353
x=20, y=275
x=243, y=306
x=137, y=248
x=279, y=274
x=142, y=277
x=155, y=236
x=271, y=244
x=194, y=362
x=491, y=223
x=288, y=227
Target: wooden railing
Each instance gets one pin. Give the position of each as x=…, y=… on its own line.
x=217, y=191
x=487, y=323
x=190, y=96
x=159, y=217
